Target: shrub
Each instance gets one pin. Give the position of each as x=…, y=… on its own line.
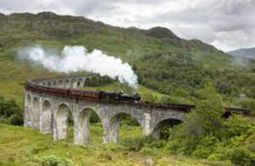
x=206, y=118
x=198, y=133
x=8, y=108
x=242, y=156
x=205, y=147
x=104, y=155
x=10, y=112
x=129, y=120
x=139, y=143
x=237, y=125
x=147, y=151
x=53, y=160
x=16, y=119
x=94, y=117
x=148, y=96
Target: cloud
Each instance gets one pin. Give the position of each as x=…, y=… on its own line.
x=227, y=24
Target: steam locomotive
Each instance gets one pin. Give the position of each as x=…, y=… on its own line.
x=119, y=96
x=107, y=96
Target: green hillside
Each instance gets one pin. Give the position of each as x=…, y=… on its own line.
x=169, y=69
x=163, y=61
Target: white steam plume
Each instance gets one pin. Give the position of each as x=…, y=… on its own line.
x=76, y=58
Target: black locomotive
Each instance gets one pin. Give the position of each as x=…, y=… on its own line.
x=119, y=96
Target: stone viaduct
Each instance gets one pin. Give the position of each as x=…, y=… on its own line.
x=49, y=101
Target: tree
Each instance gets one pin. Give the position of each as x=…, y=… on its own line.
x=204, y=121
x=206, y=118
x=10, y=112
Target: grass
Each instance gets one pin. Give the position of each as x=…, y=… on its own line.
x=13, y=74
x=23, y=146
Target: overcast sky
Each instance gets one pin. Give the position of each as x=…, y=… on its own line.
x=226, y=24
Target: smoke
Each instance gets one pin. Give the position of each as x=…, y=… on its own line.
x=77, y=58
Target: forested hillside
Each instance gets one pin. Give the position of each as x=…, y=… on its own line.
x=163, y=61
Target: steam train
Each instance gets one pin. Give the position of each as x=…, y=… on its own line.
x=120, y=97
x=94, y=95
x=107, y=96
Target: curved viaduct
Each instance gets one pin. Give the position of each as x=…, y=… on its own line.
x=49, y=101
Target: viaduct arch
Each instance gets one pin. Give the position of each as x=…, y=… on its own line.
x=48, y=102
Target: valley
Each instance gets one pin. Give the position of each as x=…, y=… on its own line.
x=169, y=69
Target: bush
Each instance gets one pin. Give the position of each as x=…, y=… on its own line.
x=104, y=155
x=147, y=151
x=53, y=160
x=8, y=108
x=237, y=125
x=139, y=143
x=242, y=156
x=10, y=112
x=149, y=96
x=94, y=117
x=16, y=119
x=198, y=134
x=206, y=118
x=205, y=147
x=129, y=120
x=234, y=142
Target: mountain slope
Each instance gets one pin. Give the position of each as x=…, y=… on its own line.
x=245, y=53
x=163, y=61
x=25, y=28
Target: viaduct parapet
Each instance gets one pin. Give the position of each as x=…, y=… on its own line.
x=49, y=101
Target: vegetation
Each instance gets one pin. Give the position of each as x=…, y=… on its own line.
x=53, y=160
x=23, y=146
x=10, y=112
x=163, y=61
x=206, y=134
x=170, y=70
